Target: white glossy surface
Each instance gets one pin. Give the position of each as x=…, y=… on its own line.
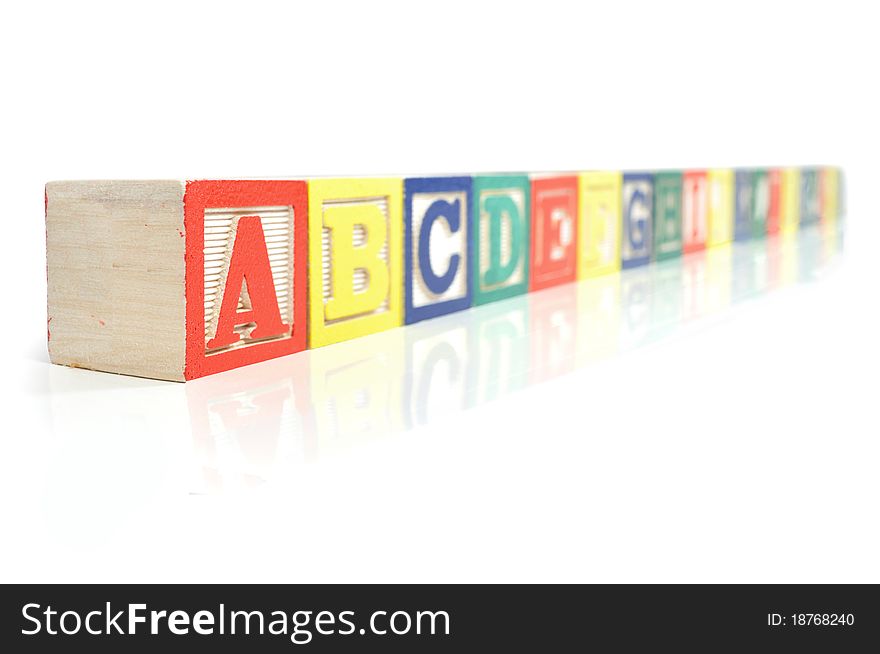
x=741, y=445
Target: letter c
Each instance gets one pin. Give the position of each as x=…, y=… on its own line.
x=451, y=211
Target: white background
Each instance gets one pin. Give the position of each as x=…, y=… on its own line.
x=741, y=448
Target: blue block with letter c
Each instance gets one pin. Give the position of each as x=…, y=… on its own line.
x=438, y=219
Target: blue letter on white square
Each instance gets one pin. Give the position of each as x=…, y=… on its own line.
x=437, y=257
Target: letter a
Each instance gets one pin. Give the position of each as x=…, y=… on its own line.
x=249, y=263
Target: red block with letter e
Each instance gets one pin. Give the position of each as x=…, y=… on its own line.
x=554, y=239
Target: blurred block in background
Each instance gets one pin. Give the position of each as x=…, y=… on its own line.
x=638, y=209
x=599, y=232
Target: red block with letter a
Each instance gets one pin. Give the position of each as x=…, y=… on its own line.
x=246, y=255
x=774, y=181
x=553, y=240
x=694, y=211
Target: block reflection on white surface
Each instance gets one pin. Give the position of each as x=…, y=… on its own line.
x=314, y=403
x=260, y=422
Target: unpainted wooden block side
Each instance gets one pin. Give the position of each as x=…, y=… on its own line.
x=115, y=269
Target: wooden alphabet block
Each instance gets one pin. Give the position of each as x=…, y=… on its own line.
x=667, y=215
x=355, y=258
x=720, y=207
x=181, y=279
x=694, y=211
x=600, y=223
x=744, y=204
x=789, y=200
x=437, y=248
x=554, y=223
x=175, y=280
x=774, y=203
x=760, y=203
x=811, y=209
x=829, y=190
x=500, y=265
x=638, y=209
